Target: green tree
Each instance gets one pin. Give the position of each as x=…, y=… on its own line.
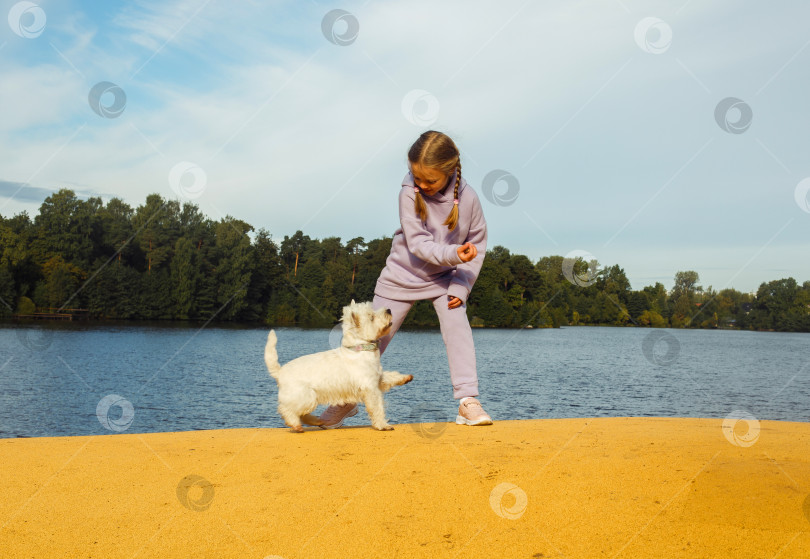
x=8, y=293
x=154, y=294
x=781, y=305
x=682, y=311
x=613, y=280
x=369, y=268
x=292, y=249
x=355, y=247
x=16, y=252
x=235, y=266
x=526, y=275
x=637, y=303
x=114, y=292
x=13, y=246
x=653, y=319
x=311, y=273
x=157, y=228
x=683, y=300
x=62, y=280
x=495, y=309
x=163, y=260
x=66, y=227
x=184, y=277
x=550, y=268
x=686, y=283
x=657, y=296
x=267, y=277
x=115, y=222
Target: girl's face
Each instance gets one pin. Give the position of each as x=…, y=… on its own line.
x=430, y=180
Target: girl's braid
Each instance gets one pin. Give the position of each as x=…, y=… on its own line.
x=452, y=218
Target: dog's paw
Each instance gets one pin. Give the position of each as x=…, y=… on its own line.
x=408, y=378
x=297, y=429
x=385, y=427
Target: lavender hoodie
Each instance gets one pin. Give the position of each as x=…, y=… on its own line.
x=423, y=263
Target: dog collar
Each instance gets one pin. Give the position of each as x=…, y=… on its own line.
x=373, y=346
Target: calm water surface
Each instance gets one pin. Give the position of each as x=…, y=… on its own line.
x=178, y=378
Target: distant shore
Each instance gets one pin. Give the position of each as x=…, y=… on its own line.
x=173, y=323
x=612, y=487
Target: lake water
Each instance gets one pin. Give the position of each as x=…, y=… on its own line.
x=83, y=379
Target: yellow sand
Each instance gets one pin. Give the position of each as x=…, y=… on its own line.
x=637, y=487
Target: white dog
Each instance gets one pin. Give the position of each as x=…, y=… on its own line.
x=349, y=373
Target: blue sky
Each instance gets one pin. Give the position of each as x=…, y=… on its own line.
x=605, y=118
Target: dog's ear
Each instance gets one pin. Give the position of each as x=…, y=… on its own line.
x=352, y=301
x=356, y=320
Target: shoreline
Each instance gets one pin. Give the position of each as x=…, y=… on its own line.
x=416, y=426
x=612, y=487
x=251, y=325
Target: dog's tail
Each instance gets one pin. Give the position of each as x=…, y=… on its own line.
x=271, y=356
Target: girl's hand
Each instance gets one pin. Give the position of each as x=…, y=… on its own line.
x=453, y=302
x=467, y=252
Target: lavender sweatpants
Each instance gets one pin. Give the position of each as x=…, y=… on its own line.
x=457, y=336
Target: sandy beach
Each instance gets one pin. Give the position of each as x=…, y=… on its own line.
x=613, y=487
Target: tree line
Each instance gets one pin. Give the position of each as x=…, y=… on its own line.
x=166, y=260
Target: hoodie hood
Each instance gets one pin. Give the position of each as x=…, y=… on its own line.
x=443, y=195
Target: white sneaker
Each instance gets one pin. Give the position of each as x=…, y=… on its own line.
x=470, y=412
x=334, y=416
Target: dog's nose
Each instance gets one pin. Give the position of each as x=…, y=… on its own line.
x=388, y=312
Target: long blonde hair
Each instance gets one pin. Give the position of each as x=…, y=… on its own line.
x=436, y=151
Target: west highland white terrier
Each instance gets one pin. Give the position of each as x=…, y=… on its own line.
x=349, y=373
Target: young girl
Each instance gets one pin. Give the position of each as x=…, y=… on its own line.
x=436, y=254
